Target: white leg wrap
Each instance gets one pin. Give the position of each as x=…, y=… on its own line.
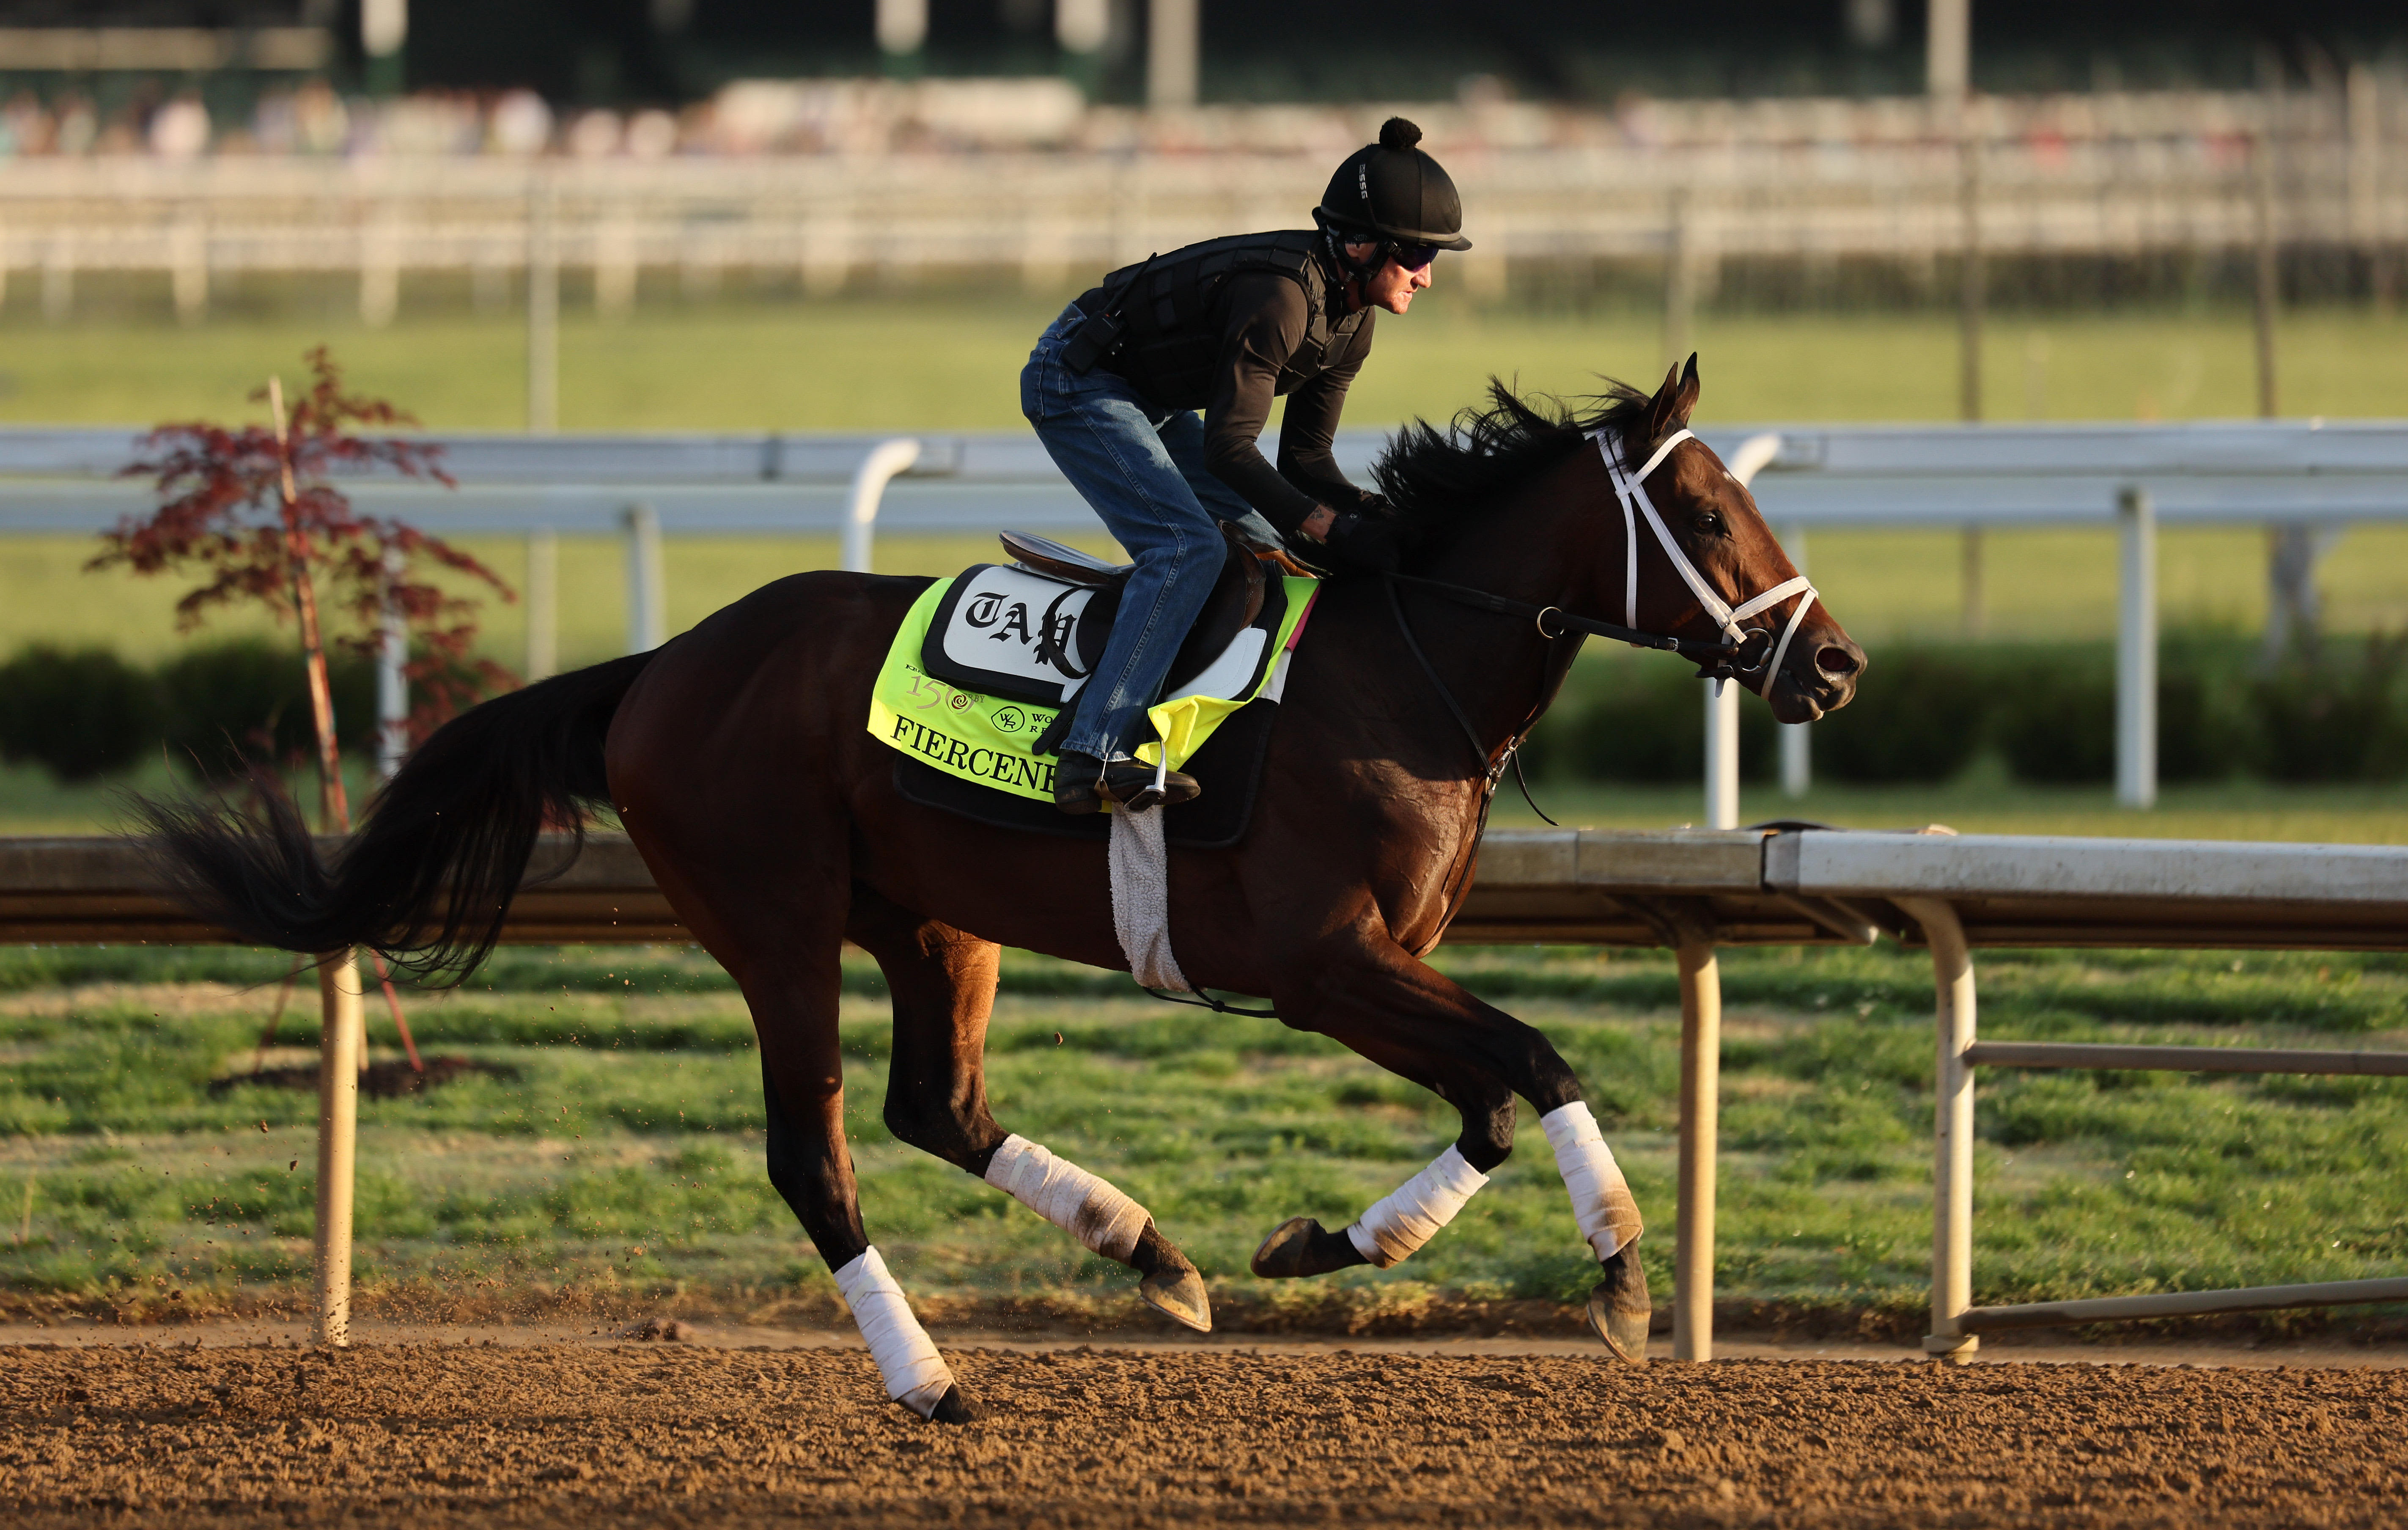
x=915, y=1373
x=1086, y=1207
x=1601, y=1199
x=1395, y=1227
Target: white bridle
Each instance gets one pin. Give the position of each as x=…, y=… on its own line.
x=1630, y=488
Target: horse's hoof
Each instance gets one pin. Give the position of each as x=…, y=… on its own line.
x=1179, y=1294
x=952, y=1407
x=1619, y=1310
x=1301, y=1246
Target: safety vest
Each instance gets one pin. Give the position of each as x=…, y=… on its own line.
x=1176, y=335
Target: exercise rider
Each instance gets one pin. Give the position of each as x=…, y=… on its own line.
x=1225, y=326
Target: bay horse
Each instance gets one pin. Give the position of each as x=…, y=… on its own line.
x=737, y=758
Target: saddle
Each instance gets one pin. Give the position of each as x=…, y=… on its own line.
x=1053, y=634
x=978, y=682
x=1236, y=601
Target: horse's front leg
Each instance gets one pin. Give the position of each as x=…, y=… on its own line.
x=1379, y=1000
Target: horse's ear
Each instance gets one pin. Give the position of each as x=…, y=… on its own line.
x=1668, y=410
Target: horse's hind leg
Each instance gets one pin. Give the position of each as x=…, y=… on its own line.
x=802, y=1087
x=775, y=923
x=943, y=985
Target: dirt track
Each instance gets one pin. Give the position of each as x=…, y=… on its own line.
x=436, y=1436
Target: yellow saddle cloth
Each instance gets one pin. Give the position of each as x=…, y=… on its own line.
x=985, y=738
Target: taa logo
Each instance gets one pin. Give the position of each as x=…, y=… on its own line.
x=1050, y=635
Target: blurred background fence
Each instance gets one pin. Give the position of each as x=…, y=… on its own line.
x=1797, y=201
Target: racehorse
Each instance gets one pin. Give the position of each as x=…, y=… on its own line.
x=737, y=758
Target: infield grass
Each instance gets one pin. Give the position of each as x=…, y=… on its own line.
x=623, y=1156
x=951, y=360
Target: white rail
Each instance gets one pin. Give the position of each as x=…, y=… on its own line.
x=1932, y=879
x=2133, y=477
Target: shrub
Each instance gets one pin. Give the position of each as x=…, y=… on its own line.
x=2056, y=722
x=1641, y=719
x=77, y=714
x=2332, y=719
x=2204, y=723
x=232, y=706
x=1917, y=717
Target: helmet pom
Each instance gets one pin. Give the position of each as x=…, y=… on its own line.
x=1398, y=134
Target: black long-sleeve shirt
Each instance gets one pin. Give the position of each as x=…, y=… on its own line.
x=1262, y=318
x=1268, y=314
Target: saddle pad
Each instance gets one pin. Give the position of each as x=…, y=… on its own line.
x=982, y=738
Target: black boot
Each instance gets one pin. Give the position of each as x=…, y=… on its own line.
x=1077, y=778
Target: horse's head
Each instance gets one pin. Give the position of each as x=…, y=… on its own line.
x=1801, y=663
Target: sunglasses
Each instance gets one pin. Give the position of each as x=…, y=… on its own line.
x=1413, y=257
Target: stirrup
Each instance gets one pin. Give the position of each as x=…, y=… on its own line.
x=1136, y=786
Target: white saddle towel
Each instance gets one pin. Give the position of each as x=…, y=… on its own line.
x=1141, y=873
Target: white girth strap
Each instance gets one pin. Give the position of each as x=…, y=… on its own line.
x=1630, y=489
x=1400, y=1224
x=1089, y=1208
x=1602, y=1204
x=915, y=1373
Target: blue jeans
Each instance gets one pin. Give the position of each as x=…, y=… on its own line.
x=1141, y=468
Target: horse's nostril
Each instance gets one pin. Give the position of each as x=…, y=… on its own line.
x=1835, y=660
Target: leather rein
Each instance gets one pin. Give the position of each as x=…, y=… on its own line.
x=1718, y=661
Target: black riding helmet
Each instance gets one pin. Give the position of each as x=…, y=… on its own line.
x=1391, y=190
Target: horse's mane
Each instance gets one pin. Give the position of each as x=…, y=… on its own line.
x=1439, y=477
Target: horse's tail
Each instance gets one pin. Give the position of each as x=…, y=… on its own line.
x=444, y=846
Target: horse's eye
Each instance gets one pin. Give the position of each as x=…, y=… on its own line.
x=1708, y=524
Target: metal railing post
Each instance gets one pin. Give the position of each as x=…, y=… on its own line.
x=1797, y=741
x=1701, y=1043
x=1952, y=1140
x=543, y=605
x=2136, y=652
x=392, y=677
x=1722, y=754
x=341, y=1029
x=885, y=460
x=647, y=594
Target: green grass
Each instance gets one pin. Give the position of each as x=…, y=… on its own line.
x=952, y=361
x=625, y=1154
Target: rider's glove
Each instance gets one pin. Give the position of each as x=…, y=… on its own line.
x=1360, y=541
